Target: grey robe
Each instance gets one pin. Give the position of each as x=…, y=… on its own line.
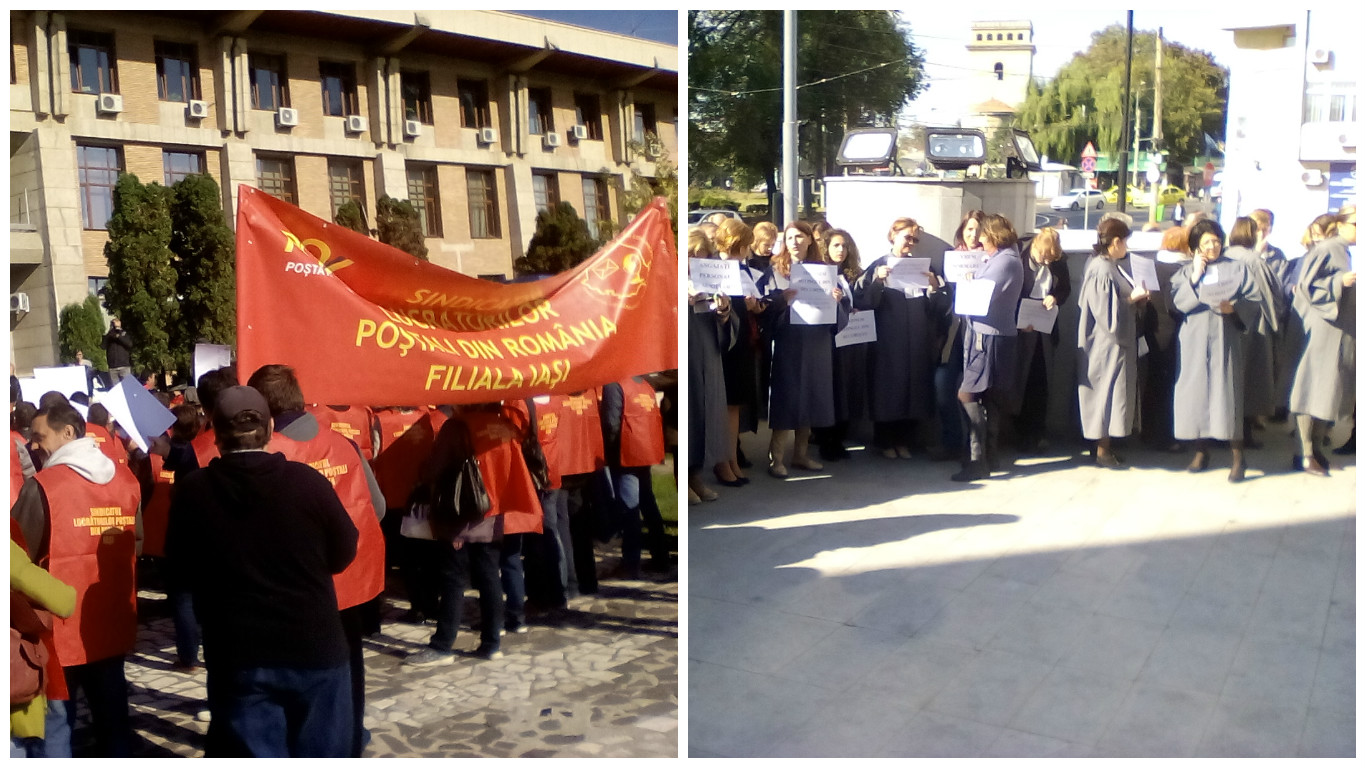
x=1325, y=379
x=1259, y=367
x=1208, y=399
x=1107, y=351
x=901, y=362
x=708, y=433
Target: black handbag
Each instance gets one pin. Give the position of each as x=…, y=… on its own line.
x=533, y=454
x=460, y=497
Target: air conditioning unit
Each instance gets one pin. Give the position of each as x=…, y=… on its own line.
x=1320, y=56
x=18, y=302
x=412, y=127
x=355, y=124
x=552, y=139
x=197, y=110
x=1347, y=140
x=287, y=117
x=109, y=104
x=488, y=135
x=579, y=132
x=1312, y=177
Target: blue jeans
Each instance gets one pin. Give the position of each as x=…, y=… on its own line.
x=187, y=637
x=481, y=562
x=106, y=692
x=514, y=580
x=558, y=546
x=280, y=712
x=634, y=499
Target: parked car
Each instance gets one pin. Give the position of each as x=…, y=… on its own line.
x=1171, y=195
x=700, y=215
x=1137, y=197
x=1076, y=198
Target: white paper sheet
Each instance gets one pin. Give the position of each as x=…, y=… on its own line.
x=973, y=297
x=908, y=275
x=1033, y=313
x=716, y=276
x=1144, y=272
x=960, y=264
x=862, y=329
x=210, y=357
x=814, y=305
x=67, y=379
x=1212, y=289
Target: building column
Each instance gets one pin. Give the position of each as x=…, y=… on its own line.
x=521, y=198
x=391, y=175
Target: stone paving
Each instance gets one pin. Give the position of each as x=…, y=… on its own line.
x=604, y=683
x=1059, y=609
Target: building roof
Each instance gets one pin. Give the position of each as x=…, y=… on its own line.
x=993, y=107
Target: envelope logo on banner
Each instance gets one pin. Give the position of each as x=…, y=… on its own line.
x=324, y=256
x=623, y=276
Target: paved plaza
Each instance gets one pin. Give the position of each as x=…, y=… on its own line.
x=877, y=609
x=604, y=683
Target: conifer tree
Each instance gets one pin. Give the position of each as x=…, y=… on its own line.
x=204, y=258
x=142, y=278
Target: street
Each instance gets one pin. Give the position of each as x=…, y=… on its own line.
x=1086, y=219
x=1059, y=609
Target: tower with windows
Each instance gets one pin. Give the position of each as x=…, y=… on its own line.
x=1001, y=55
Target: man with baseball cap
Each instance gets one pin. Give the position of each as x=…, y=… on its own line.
x=258, y=538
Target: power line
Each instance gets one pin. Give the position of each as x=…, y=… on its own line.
x=823, y=80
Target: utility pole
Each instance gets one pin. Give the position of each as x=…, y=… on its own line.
x=1123, y=174
x=1138, y=116
x=789, y=117
x=1157, y=94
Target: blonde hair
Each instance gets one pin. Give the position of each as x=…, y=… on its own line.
x=1263, y=217
x=900, y=224
x=1174, y=240
x=999, y=231
x=1046, y=246
x=699, y=245
x=765, y=231
x=732, y=234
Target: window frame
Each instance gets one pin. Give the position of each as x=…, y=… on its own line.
x=88, y=187
x=546, y=194
x=289, y=181
x=485, y=197
x=167, y=173
x=478, y=89
x=354, y=181
x=640, y=125
x=279, y=89
x=188, y=53
x=542, y=100
x=600, y=210
x=422, y=103
x=345, y=73
x=425, y=196
x=106, y=60
x=581, y=114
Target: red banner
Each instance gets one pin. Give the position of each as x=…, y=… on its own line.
x=363, y=323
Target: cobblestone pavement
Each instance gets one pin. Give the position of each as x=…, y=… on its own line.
x=604, y=683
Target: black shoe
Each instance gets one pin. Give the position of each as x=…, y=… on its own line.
x=488, y=652
x=736, y=483
x=740, y=459
x=973, y=470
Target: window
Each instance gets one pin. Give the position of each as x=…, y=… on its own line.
x=1330, y=102
x=98, y=170
x=595, y=204
x=269, y=83
x=96, y=285
x=540, y=119
x=483, y=196
x=588, y=113
x=979, y=35
x=275, y=175
x=417, y=97
x=546, y=188
x=474, y=103
x=345, y=184
x=177, y=165
x=92, y=62
x=423, y=194
x=645, y=122
x=177, y=72
x=1000, y=71
x=339, y=89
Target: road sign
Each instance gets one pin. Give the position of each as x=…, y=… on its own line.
x=1152, y=175
x=1087, y=174
x=1088, y=165
x=1089, y=151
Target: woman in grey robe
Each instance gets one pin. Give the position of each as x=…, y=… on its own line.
x=1107, y=343
x=712, y=329
x=1324, y=386
x=1219, y=300
x=1259, y=367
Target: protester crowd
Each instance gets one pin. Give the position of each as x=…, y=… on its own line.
x=1234, y=336
x=273, y=523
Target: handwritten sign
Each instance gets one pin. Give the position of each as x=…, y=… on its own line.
x=908, y=275
x=814, y=305
x=1032, y=313
x=973, y=297
x=1212, y=289
x=961, y=264
x=862, y=329
x=716, y=276
x=1144, y=272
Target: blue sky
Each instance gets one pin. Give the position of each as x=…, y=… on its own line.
x=661, y=26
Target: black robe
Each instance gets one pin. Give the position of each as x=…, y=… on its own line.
x=901, y=362
x=801, y=382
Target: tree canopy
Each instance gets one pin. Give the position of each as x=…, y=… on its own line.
x=400, y=225
x=561, y=242
x=142, y=281
x=854, y=69
x=81, y=327
x=1084, y=102
x=206, y=281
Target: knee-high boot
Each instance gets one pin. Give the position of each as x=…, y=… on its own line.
x=976, y=466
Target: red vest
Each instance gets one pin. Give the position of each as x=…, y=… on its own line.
x=352, y=422
x=642, y=426
x=393, y=423
x=109, y=445
x=333, y=456
x=157, y=511
x=571, y=434
x=498, y=449
x=205, y=446
x=16, y=470
x=92, y=547
x=397, y=469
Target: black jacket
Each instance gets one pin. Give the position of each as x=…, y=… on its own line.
x=118, y=348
